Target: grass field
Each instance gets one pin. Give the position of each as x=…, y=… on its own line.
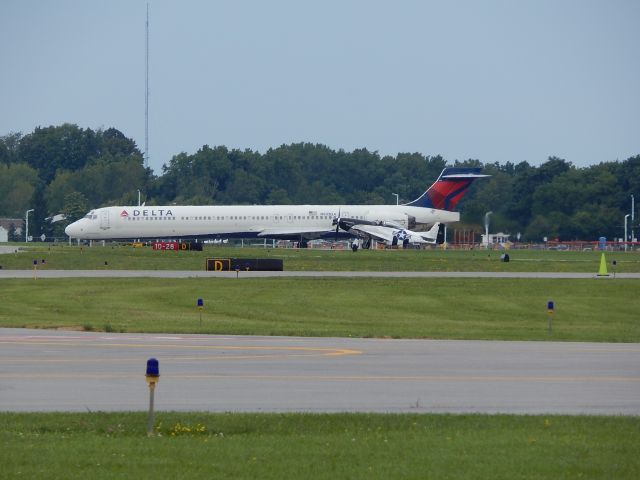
x=127, y=257
x=502, y=309
x=201, y=445
x=273, y=446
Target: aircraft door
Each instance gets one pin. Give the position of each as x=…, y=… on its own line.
x=104, y=219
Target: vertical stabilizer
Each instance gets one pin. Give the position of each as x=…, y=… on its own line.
x=449, y=188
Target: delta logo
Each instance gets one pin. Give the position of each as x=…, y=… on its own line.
x=148, y=212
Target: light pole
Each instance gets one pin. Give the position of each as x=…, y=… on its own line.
x=633, y=216
x=626, y=238
x=486, y=228
x=397, y=198
x=26, y=225
x=138, y=197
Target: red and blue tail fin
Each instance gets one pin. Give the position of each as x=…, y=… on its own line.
x=449, y=188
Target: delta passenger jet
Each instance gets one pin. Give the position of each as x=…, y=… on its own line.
x=293, y=222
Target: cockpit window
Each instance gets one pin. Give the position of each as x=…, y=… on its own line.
x=91, y=216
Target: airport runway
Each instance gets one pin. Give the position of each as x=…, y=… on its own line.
x=44, y=370
x=44, y=273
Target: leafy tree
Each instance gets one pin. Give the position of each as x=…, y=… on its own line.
x=524, y=184
x=323, y=194
x=492, y=194
x=538, y=228
x=246, y=187
x=64, y=183
x=108, y=180
x=43, y=168
x=51, y=148
x=5, y=155
x=203, y=175
x=76, y=205
x=278, y=197
x=17, y=185
x=15, y=235
x=9, y=147
x=553, y=167
x=38, y=224
x=114, y=143
x=69, y=147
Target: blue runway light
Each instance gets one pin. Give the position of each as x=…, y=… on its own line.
x=550, y=305
x=35, y=262
x=200, y=303
x=152, y=377
x=153, y=368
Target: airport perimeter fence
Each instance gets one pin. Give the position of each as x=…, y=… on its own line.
x=575, y=246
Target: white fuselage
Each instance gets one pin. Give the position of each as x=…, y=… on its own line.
x=265, y=221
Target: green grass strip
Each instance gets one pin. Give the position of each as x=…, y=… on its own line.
x=502, y=309
x=116, y=257
x=310, y=446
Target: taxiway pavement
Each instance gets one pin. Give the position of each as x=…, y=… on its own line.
x=43, y=370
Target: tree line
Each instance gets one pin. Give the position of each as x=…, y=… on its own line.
x=70, y=170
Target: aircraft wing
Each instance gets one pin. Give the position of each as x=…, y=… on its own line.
x=291, y=231
x=387, y=234
x=374, y=231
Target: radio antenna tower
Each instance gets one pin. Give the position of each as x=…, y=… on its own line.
x=146, y=98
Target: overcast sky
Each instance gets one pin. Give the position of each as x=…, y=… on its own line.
x=493, y=80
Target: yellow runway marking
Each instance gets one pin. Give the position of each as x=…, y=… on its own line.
x=170, y=358
x=295, y=351
x=433, y=378
x=329, y=378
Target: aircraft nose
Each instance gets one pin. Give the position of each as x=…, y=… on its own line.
x=72, y=230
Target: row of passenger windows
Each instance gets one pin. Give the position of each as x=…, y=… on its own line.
x=258, y=217
x=233, y=217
